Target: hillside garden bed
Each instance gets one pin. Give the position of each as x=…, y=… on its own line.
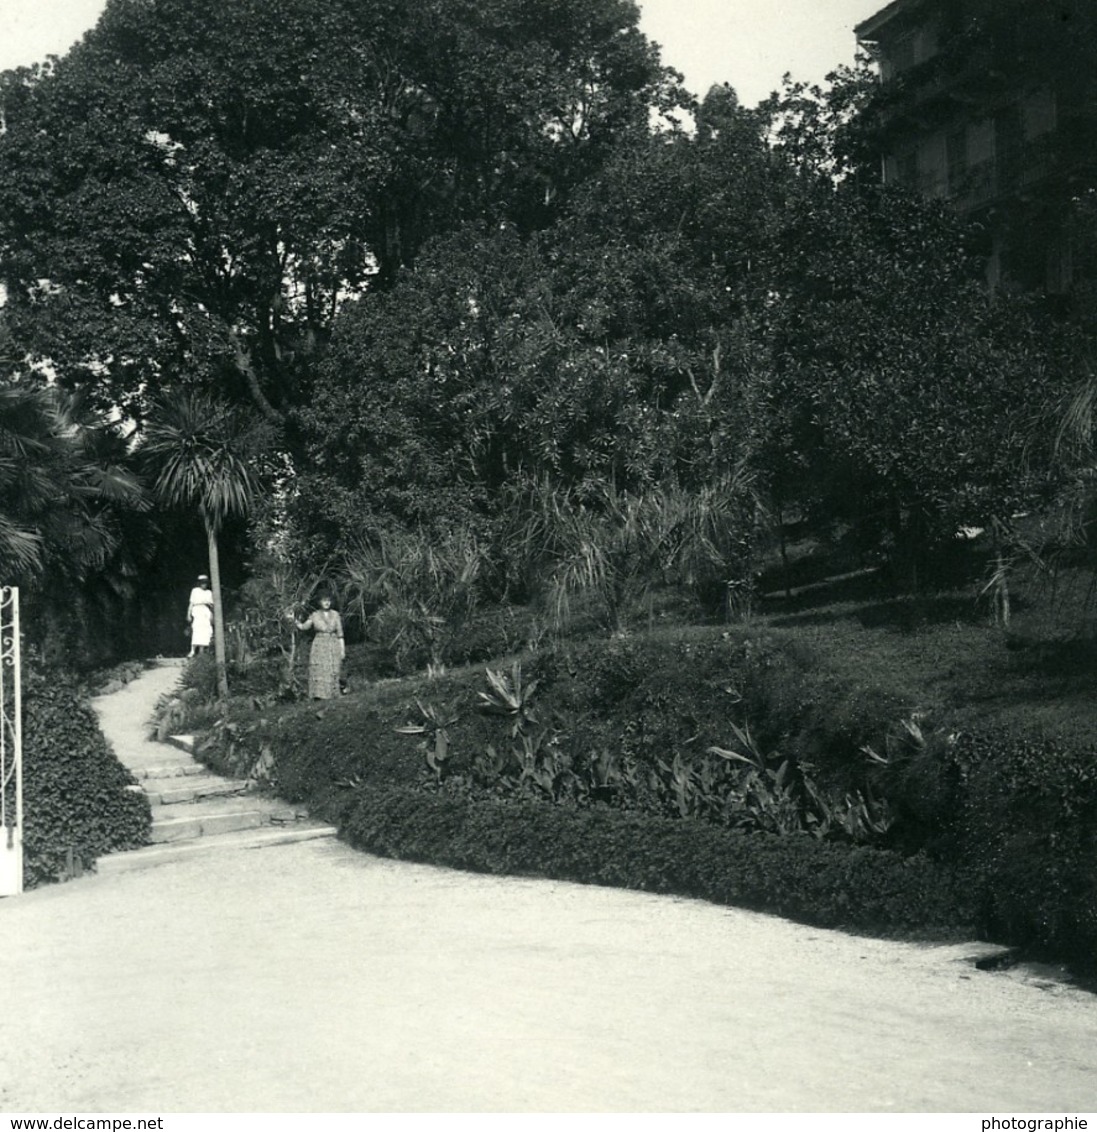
x=888, y=767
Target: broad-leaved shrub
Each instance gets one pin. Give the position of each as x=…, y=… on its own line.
x=75, y=790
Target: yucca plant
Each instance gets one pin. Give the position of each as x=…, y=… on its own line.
x=614, y=546
x=203, y=454
x=418, y=590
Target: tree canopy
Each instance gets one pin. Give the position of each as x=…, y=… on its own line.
x=449, y=252
x=190, y=194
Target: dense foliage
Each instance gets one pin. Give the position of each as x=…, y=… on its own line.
x=471, y=268
x=599, y=763
x=73, y=516
x=710, y=305
x=189, y=194
x=78, y=798
x=594, y=770
x=440, y=298
x=1026, y=812
x=808, y=880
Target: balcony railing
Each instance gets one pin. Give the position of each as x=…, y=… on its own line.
x=1011, y=172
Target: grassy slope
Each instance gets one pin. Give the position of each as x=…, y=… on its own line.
x=1039, y=674
x=851, y=654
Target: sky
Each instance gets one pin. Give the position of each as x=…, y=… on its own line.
x=748, y=43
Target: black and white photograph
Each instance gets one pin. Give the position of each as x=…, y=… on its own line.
x=548, y=562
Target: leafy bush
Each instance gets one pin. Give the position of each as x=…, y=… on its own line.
x=593, y=763
x=417, y=589
x=1017, y=812
x=637, y=723
x=75, y=791
x=800, y=877
x=1029, y=839
x=200, y=673
x=615, y=547
x=117, y=676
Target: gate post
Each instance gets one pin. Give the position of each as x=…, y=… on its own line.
x=11, y=746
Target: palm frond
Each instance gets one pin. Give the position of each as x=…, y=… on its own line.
x=203, y=454
x=21, y=550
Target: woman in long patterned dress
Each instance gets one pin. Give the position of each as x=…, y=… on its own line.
x=327, y=651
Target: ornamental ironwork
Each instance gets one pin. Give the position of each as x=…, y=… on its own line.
x=11, y=746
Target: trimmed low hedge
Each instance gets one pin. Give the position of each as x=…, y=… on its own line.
x=1028, y=822
x=813, y=881
x=74, y=788
x=650, y=697
x=994, y=831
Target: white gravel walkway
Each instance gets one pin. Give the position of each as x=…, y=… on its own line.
x=310, y=977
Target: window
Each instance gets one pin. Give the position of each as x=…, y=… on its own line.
x=902, y=54
x=957, y=158
x=906, y=169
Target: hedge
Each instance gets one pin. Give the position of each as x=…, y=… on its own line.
x=1028, y=839
x=75, y=794
x=813, y=881
x=993, y=830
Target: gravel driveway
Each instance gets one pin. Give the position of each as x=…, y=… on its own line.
x=310, y=977
x=314, y=978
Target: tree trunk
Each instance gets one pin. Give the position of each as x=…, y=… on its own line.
x=218, y=611
x=781, y=534
x=246, y=369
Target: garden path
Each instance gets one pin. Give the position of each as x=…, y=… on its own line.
x=310, y=977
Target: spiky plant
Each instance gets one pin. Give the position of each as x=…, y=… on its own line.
x=202, y=453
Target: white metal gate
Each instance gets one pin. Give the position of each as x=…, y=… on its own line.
x=11, y=746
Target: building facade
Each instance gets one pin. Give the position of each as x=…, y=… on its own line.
x=989, y=103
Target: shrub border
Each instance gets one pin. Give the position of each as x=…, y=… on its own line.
x=816, y=882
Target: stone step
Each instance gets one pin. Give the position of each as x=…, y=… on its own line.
x=217, y=814
x=262, y=837
x=168, y=770
x=181, y=742
x=175, y=791
x=226, y=803
x=203, y=825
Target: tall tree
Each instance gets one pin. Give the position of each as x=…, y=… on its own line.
x=612, y=348
x=902, y=395
x=189, y=195
x=204, y=454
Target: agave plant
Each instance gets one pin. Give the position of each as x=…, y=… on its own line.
x=436, y=739
x=508, y=696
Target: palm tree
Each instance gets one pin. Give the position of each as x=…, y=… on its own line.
x=202, y=453
x=62, y=482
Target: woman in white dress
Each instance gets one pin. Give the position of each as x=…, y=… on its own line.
x=200, y=616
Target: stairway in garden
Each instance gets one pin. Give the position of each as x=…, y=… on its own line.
x=193, y=810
